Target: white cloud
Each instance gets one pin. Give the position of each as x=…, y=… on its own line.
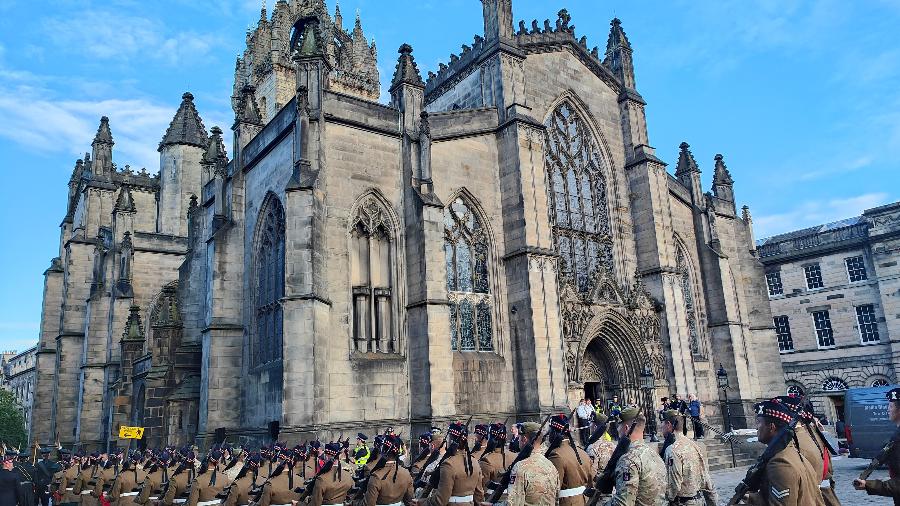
x=817, y=212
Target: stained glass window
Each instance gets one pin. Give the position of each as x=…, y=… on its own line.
x=695, y=336
x=468, y=279
x=577, y=198
x=269, y=285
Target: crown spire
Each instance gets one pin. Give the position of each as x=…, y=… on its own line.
x=186, y=127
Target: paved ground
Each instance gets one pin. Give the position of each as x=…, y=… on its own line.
x=845, y=470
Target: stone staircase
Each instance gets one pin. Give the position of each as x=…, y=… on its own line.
x=718, y=453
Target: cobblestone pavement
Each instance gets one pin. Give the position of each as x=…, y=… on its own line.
x=845, y=470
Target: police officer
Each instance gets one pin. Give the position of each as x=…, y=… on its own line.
x=389, y=482
x=459, y=476
x=640, y=473
x=572, y=463
x=688, y=480
x=534, y=480
x=890, y=487
x=789, y=479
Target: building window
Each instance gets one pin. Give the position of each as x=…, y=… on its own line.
x=868, y=323
x=880, y=382
x=468, y=279
x=794, y=391
x=856, y=269
x=834, y=385
x=577, y=197
x=813, y=276
x=773, y=280
x=371, y=273
x=269, y=284
x=783, y=331
x=696, y=339
x=824, y=333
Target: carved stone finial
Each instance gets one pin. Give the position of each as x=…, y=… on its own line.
x=406, y=72
x=562, y=22
x=686, y=162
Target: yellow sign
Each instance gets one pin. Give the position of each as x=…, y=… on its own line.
x=131, y=432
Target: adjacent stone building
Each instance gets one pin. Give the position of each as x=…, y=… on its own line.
x=18, y=371
x=499, y=239
x=834, y=291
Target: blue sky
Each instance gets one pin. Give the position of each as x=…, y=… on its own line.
x=802, y=97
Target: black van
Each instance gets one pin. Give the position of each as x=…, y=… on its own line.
x=867, y=424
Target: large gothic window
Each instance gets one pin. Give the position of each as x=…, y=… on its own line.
x=468, y=280
x=267, y=346
x=695, y=335
x=577, y=194
x=371, y=264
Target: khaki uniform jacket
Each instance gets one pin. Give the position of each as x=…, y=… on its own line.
x=383, y=488
x=125, y=483
x=493, y=465
x=150, y=486
x=87, y=478
x=331, y=487
x=239, y=491
x=201, y=491
x=788, y=481
x=640, y=477
x=534, y=481
x=67, y=485
x=177, y=487
x=572, y=474
x=105, y=477
x=687, y=472
x=456, y=482
x=827, y=485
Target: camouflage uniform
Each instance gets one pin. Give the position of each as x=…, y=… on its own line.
x=600, y=453
x=534, y=481
x=688, y=474
x=640, y=478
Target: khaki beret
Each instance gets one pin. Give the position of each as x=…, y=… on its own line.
x=629, y=414
x=530, y=428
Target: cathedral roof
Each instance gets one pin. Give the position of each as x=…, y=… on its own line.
x=186, y=127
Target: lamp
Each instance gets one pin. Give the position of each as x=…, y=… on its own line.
x=648, y=383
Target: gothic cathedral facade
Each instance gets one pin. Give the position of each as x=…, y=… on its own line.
x=499, y=239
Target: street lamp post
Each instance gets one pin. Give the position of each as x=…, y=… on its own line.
x=648, y=382
x=722, y=381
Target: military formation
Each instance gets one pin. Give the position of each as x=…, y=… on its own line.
x=529, y=463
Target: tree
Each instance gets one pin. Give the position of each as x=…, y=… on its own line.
x=12, y=423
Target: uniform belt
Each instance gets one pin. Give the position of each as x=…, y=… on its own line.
x=461, y=498
x=70, y=488
x=208, y=503
x=684, y=499
x=288, y=504
x=825, y=484
x=392, y=504
x=83, y=492
x=128, y=494
x=338, y=504
x=179, y=501
x=571, y=492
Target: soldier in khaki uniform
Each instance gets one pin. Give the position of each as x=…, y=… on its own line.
x=459, y=478
x=602, y=449
x=107, y=472
x=333, y=481
x=640, y=474
x=67, y=482
x=814, y=448
x=123, y=490
x=278, y=489
x=480, y=435
x=572, y=463
x=209, y=481
x=175, y=491
x=789, y=479
x=425, y=450
x=157, y=474
x=238, y=492
x=494, y=461
x=86, y=481
x=389, y=482
x=688, y=480
x=534, y=480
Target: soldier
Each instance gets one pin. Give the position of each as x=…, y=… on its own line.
x=814, y=447
x=572, y=463
x=107, y=471
x=493, y=461
x=434, y=459
x=890, y=487
x=481, y=433
x=458, y=477
x=333, y=480
x=279, y=487
x=123, y=490
x=688, y=480
x=157, y=474
x=238, y=492
x=44, y=472
x=10, y=493
x=389, y=482
x=26, y=478
x=87, y=479
x=235, y=463
x=175, y=491
x=426, y=449
x=789, y=479
x=602, y=449
x=640, y=473
x=534, y=480
x=67, y=481
x=209, y=481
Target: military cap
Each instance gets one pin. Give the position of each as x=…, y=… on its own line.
x=333, y=448
x=45, y=450
x=315, y=445
x=529, y=429
x=95, y=455
x=629, y=414
x=559, y=423
x=426, y=437
x=481, y=430
x=254, y=459
x=497, y=430
x=164, y=457
x=457, y=430
x=63, y=451
x=671, y=415
x=10, y=455
x=600, y=418
x=794, y=403
x=388, y=431
x=775, y=410
x=391, y=444
x=361, y=436
x=893, y=394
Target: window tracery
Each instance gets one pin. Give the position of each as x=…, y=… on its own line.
x=696, y=338
x=371, y=272
x=269, y=285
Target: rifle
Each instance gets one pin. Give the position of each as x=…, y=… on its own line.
x=754, y=476
x=431, y=458
x=523, y=454
x=604, y=483
x=881, y=458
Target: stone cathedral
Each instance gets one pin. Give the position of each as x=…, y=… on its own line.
x=499, y=239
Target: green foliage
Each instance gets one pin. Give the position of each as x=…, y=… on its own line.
x=12, y=423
